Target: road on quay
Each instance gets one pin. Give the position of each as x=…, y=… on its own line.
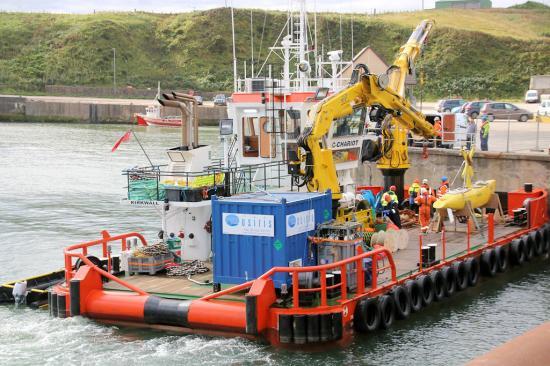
x=63, y=99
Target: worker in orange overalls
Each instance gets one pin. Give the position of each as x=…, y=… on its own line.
x=444, y=186
x=426, y=186
x=425, y=202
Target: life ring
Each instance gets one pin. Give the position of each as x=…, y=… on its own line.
x=528, y=247
x=517, y=251
x=502, y=258
x=450, y=280
x=387, y=311
x=439, y=285
x=489, y=263
x=402, y=300
x=427, y=289
x=367, y=315
x=461, y=275
x=415, y=294
x=472, y=264
x=537, y=239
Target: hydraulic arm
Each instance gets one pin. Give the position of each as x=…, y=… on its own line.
x=393, y=113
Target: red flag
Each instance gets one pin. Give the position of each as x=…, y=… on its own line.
x=124, y=138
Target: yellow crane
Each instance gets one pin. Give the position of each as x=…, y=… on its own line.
x=384, y=95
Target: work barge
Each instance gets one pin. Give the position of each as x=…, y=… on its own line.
x=344, y=297
x=261, y=259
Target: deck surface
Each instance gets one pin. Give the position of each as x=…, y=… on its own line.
x=406, y=261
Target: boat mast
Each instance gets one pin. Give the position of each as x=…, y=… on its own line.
x=234, y=52
x=302, y=45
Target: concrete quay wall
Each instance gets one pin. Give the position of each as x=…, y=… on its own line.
x=59, y=109
x=511, y=170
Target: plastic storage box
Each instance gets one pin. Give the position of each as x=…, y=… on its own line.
x=150, y=265
x=253, y=233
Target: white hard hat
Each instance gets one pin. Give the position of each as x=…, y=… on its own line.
x=424, y=181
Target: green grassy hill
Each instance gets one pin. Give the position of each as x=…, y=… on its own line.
x=473, y=53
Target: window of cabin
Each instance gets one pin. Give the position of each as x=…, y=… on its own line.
x=250, y=136
x=350, y=125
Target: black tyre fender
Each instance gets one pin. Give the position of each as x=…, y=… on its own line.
x=528, y=247
x=415, y=294
x=489, y=263
x=450, y=280
x=367, y=315
x=502, y=258
x=402, y=300
x=545, y=230
x=517, y=251
x=473, y=270
x=439, y=285
x=461, y=275
x=427, y=289
x=536, y=236
x=387, y=311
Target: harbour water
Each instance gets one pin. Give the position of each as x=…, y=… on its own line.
x=60, y=184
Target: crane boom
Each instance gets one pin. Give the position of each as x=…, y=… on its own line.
x=384, y=95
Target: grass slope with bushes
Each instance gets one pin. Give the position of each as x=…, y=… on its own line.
x=473, y=53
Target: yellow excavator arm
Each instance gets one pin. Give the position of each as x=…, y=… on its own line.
x=384, y=95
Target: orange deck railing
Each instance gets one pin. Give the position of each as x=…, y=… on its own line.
x=375, y=254
x=72, y=252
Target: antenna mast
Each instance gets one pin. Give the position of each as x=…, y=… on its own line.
x=234, y=51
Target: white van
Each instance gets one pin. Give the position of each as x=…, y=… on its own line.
x=532, y=96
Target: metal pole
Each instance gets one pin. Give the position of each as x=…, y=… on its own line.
x=251, y=45
x=142, y=149
x=508, y=137
x=234, y=51
x=114, y=70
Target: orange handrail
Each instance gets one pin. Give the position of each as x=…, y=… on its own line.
x=69, y=254
x=322, y=269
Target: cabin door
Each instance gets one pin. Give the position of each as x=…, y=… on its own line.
x=266, y=139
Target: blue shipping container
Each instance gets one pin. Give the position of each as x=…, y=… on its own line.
x=253, y=233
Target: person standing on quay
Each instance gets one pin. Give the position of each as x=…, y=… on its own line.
x=484, y=133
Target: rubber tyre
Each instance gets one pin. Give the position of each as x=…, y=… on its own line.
x=461, y=275
x=517, y=252
x=415, y=295
x=402, y=300
x=546, y=238
x=427, y=289
x=450, y=280
x=473, y=271
x=536, y=236
x=439, y=285
x=367, y=315
x=502, y=258
x=528, y=247
x=446, y=110
x=387, y=311
x=523, y=118
x=489, y=265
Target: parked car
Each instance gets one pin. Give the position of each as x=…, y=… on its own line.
x=532, y=96
x=198, y=98
x=544, y=108
x=499, y=110
x=446, y=105
x=472, y=109
x=220, y=99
